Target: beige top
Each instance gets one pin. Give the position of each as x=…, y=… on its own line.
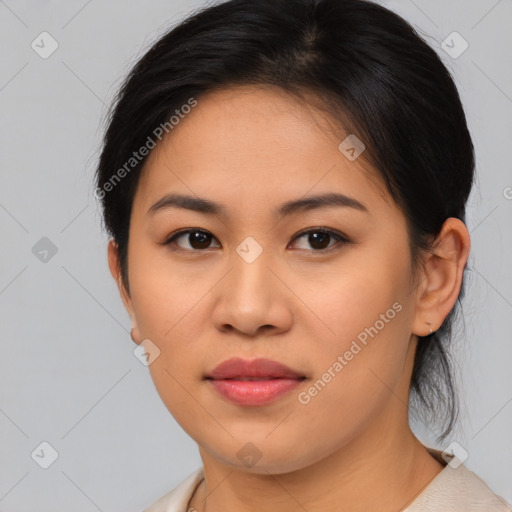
x=454, y=489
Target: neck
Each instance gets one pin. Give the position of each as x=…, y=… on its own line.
x=374, y=472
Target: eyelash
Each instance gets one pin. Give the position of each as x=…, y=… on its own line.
x=341, y=239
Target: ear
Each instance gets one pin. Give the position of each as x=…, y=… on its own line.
x=115, y=270
x=441, y=277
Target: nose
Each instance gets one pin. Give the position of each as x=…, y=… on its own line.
x=251, y=298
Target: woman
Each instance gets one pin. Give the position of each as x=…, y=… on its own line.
x=284, y=183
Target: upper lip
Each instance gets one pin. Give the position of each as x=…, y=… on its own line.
x=261, y=367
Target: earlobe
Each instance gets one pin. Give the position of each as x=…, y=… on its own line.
x=135, y=336
x=114, y=266
x=442, y=277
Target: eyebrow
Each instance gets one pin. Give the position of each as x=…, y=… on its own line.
x=209, y=207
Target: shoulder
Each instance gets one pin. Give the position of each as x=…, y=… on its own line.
x=458, y=489
x=178, y=499
x=455, y=489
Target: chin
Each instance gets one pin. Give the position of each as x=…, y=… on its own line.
x=263, y=460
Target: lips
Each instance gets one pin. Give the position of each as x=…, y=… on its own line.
x=253, y=383
x=256, y=369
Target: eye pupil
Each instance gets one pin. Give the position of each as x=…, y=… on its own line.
x=201, y=238
x=319, y=237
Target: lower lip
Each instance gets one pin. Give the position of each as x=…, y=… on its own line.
x=254, y=392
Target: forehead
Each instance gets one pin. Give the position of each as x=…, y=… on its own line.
x=253, y=145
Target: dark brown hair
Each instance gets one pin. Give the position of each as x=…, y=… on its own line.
x=376, y=76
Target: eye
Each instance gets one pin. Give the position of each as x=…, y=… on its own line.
x=197, y=239
x=319, y=238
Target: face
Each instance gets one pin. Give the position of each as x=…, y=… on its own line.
x=323, y=289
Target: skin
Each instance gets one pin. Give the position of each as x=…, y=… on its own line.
x=252, y=149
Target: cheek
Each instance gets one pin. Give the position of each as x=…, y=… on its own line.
x=167, y=311
x=356, y=374
x=359, y=338
x=165, y=293
x=176, y=374
x=363, y=304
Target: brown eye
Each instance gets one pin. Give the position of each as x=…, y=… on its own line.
x=319, y=239
x=197, y=239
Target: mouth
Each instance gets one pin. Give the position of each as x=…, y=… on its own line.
x=253, y=383
x=254, y=392
x=256, y=369
x=242, y=378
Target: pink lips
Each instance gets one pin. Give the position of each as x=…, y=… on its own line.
x=256, y=382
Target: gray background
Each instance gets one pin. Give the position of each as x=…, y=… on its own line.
x=68, y=375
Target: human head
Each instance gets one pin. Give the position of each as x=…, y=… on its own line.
x=360, y=64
